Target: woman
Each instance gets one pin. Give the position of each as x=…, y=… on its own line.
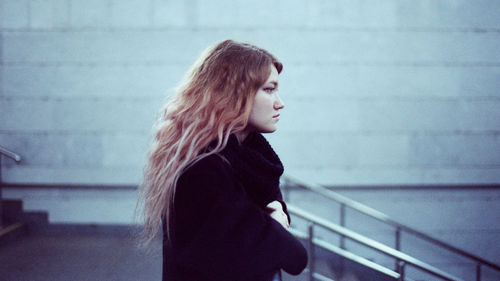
x=212, y=179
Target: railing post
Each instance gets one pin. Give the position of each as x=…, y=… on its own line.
x=398, y=239
x=398, y=244
x=310, y=245
x=401, y=270
x=478, y=271
x=342, y=223
x=286, y=189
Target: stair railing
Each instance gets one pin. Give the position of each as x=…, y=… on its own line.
x=313, y=242
x=402, y=258
x=15, y=157
x=10, y=154
x=399, y=228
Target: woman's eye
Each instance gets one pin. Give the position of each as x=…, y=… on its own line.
x=269, y=90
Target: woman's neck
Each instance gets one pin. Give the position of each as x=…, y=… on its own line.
x=241, y=136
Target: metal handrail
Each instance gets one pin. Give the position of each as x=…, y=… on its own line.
x=16, y=157
x=371, y=243
x=346, y=254
x=386, y=219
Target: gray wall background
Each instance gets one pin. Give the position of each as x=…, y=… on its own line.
x=376, y=92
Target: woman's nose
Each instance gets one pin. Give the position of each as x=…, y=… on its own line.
x=278, y=104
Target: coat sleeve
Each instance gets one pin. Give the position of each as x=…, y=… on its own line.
x=222, y=233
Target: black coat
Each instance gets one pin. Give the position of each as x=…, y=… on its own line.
x=220, y=229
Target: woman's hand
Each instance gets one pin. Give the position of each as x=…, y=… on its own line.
x=276, y=212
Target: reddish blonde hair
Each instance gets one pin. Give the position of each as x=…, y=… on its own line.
x=213, y=101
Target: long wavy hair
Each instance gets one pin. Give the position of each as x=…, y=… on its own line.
x=212, y=102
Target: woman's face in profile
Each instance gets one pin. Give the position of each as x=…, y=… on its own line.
x=264, y=115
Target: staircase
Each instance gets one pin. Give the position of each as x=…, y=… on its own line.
x=19, y=222
x=339, y=253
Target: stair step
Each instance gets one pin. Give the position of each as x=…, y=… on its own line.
x=35, y=220
x=11, y=208
x=12, y=211
x=11, y=231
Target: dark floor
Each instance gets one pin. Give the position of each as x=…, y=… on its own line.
x=77, y=257
x=81, y=257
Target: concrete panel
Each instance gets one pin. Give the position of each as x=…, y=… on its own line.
x=384, y=150
x=105, y=115
x=171, y=13
x=409, y=81
x=130, y=13
x=410, y=14
x=91, y=81
x=78, y=205
x=480, y=115
x=326, y=80
x=103, y=47
x=252, y=14
x=460, y=175
x=68, y=175
x=343, y=13
x=398, y=176
x=318, y=149
x=475, y=216
x=1, y=69
x=455, y=150
x=409, y=115
x=79, y=115
x=356, y=176
x=19, y=114
x=56, y=150
x=386, y=80
x=14, y=14
x=319, y=80
x=448, y=14
x=393, y=47
x=479, y=81
x=315, y=115
x=295, y=46
x=36, y=149
x=351, y=14
x=49, y=13
x=429, y=115
x=86, y=151
x=125, y=150
x=90, y=13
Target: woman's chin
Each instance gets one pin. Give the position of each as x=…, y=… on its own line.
x=269, y=130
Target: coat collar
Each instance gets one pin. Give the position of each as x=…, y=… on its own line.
x=256, y=166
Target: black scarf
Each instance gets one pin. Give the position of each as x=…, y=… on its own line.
x=256, y=166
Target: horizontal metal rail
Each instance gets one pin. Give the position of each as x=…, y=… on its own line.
x=371, y=243
x=346, y=254
x=16, y=157
x=318, y=276
x=386, y=219
x=10, y=228
x=321, y=277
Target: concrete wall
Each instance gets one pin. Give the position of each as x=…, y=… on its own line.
x=393, y=92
